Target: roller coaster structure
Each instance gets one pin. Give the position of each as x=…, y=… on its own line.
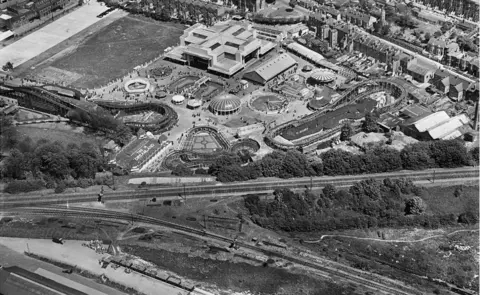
x=393, y=86
x=39, y=99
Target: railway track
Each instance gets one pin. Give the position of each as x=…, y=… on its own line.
x=11, y=201
x=372, y=281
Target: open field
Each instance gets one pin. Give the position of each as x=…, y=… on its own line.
x=117, y=48
x=52, y=132
x=442, y=200
x=51, y=35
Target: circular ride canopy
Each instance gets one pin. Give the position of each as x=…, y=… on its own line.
x=178, y=99
x=225, y=104
x=307, y=68
x=323, y=75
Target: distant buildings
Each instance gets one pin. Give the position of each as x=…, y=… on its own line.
x=468, y=9
x=19, y=14
x=224, y=50
x=453, y=85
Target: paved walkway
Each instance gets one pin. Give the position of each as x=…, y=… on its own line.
x=51, y=35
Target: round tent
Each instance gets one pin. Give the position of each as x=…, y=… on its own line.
x=160, y=94
x=178, y=99
x=323, y=76
x=225, y=104
x=194, y=103
x=307, y=68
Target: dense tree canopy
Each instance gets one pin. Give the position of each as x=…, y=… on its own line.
x=377, y=159
x=367, y=204
x=51, y=162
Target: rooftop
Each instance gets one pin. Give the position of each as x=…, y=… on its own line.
x=18, y=281
x=137, y=152
x=431, y=121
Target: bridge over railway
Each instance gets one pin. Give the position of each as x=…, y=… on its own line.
x=40, y=99
x=358, y=92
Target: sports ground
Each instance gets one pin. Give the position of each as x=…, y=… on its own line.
x=51, y=35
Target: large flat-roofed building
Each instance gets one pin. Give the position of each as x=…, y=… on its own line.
x=224, y=49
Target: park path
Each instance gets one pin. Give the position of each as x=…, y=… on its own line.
x=391, y=241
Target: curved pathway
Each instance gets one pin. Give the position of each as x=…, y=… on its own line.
x=391, y=241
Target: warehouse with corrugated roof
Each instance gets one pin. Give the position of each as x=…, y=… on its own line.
x=271, y=69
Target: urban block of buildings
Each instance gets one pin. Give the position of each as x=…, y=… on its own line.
x=224, y=50
x=18, y=14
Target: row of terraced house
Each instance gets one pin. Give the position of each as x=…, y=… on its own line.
x=19, y=14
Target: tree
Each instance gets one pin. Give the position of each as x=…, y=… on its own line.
x=468, y=217
x=415, y=206
x=449, y=153
x=347, y=132
x=369, y=124
x=223, y=161
x=292, y=3
x=51, y=159
x=16, y=165
x=475, y=154
x=416, y=156
x=329, y=191
x=427, y=36
x=385, y=30
x=122, y=135
x=466, y=44
x=182, y=170
x=8, y=67
x=437, y=34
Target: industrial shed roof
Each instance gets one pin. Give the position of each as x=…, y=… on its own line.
x=448, y=129
x=431, y=121
x=271, y=68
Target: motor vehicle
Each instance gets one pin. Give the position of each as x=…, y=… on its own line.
x=58, y=240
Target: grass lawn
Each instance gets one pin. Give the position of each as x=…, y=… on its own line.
x=119, y=47
x=441, y=200
x=56, y=132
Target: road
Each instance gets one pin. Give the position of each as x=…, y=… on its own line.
x=9, y=201
x=390, y=241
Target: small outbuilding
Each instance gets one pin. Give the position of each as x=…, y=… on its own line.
x=178, y=99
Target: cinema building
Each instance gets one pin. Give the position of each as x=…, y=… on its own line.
x=223, y=50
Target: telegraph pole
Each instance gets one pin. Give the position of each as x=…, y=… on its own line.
x=184, y=194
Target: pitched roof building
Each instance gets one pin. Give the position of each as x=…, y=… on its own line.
x=271, y=69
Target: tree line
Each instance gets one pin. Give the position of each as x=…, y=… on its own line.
x=102, y=120
x=366, y=204
x=32, y=165
x=417, y=156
